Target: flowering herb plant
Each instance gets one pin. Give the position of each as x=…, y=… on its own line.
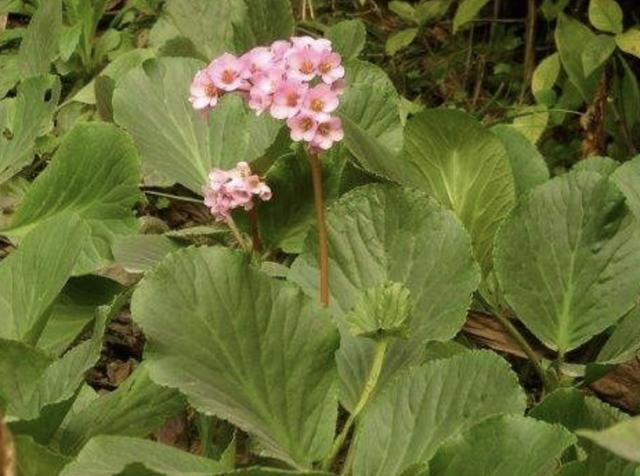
x=233, y=247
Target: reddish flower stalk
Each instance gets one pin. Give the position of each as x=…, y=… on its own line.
x=323, y=242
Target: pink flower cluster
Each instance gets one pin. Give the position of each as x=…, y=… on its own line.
x=298, y=80
x=229, y=189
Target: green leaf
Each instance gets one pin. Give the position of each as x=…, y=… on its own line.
x=23, y=119
x=544, y=79
x=531, y=121
x=95, y=174
x=35, y=274
x=572, y=38
x=151, y=102
x=371, y=121
x=426, y=405
x=597, y=52
x=624, y=342
x=627, y=178
x=399, y=40
x=431, y=10
x=404, y=10
x=139, y=253
x=37, y=382
x=527, y=164
x=379, y=234
x=629, y=41
x=137, y=408
x=567, y=259
x=263, y=23
x=34, y=459
x=39, y=45
x=606, y=15
x=110, y=455
x=450, y=156
x=9, y=73
x=381, y=312
x=508, y=445
x=74, y=309
x=348, y=38
x=605, y=166
x=622, y=439
x=209, y=26
x=210, y=318
x=627, y=93
x=574, y=410
x=467, y=11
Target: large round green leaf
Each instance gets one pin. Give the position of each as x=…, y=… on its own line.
x=244, y=347
x=423, y=407
x=454, y=159
x=568, y=259
x=380, y=234
x=627, y=177
x=151, y=102
x=507, y=445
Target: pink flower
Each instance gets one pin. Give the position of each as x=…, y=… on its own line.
x=226, y=72
x=204, y=93
x=319, y=102
x=280, y=49
x=256, y=61
x=330, y=66
x=288, y=98
x=338, y=86
x=235, y=188
x=327, y=133
x=302, y=42
x=303, y=64
x=302, y=127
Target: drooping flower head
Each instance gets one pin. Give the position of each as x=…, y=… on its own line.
x=235, y=188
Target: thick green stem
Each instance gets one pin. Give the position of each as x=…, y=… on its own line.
x=526, y=348
x=369, y=386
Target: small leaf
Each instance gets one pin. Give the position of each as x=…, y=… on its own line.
x=400, y=40
x=567, y=258
x=572, y=38
x=277, y=382
x=426, y=405
x=348, y=38
x=404, y=10
x=526, y=447
x=597, y=52
x=606, y=15
x=629, y=41
x=467, y=11
x=431, y=10
x=622, y=439
x=381, y=312
x=39, y=46
x=544, y=79
x=111, y=455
